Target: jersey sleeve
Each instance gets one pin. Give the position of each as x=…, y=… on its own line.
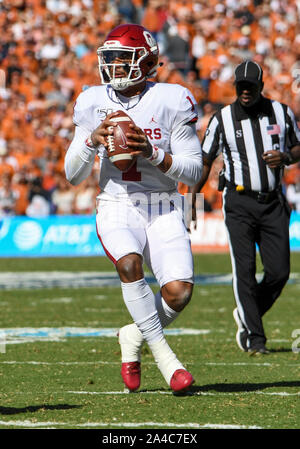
x=83, y=110
x=186, y=109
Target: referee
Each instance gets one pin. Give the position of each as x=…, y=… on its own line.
x=257, y=137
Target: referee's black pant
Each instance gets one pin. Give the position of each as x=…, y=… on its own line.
x=249, y=223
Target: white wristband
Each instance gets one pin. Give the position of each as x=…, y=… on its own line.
x=88, y=142
x=157, y=156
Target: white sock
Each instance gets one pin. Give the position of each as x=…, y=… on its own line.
x=165, y=358
x=134, y=335
x=131, y=341
x=145, y=310
x=140, y=302
x=165, y=313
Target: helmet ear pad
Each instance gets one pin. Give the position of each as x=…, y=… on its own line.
x=149, y=65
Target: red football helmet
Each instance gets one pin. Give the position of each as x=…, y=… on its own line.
x=128, y=56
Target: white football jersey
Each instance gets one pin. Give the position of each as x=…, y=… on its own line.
x=158, y=111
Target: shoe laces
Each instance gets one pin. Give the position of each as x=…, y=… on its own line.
x=133, y=368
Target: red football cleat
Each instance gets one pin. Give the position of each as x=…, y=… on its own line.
x=131, y=375
x=181, y=380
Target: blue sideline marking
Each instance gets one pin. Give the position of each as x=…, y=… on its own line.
x=66, y=279
x=65, y=332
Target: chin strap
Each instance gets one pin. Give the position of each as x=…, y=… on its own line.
x=128, y=83
x=153, y=71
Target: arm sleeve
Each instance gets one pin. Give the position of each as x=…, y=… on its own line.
x=186, y=155
x=79, y=159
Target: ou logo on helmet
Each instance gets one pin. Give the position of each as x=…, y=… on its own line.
x=149, y=39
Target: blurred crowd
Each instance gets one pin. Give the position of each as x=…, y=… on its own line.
x=48, y=56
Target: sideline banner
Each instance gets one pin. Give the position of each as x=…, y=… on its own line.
x=295, y=231
x=52, y=236
x=63, y=236
x=211, y=235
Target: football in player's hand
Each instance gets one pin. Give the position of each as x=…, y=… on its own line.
x=118, y=151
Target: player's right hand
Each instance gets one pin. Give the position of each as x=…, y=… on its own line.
x=100, y=134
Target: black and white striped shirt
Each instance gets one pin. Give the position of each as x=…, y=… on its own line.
x=243, y=139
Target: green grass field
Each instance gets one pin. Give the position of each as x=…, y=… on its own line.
x=71, y=382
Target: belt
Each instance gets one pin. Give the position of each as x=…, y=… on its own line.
x=260, y=197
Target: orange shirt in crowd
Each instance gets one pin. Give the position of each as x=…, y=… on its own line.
x=27, y=119
x=221, y=92
x=206, y=64
x=22, y=201
x=6, y=168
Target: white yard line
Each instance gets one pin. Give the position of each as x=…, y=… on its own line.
x=32, y=362
x=47, y=424
x=192, y=393
x=170, y=393
x=105, y=362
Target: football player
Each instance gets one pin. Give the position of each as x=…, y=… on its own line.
x=139, y=218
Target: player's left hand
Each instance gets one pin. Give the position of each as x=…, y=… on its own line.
x=273, y=158
x=138, y=142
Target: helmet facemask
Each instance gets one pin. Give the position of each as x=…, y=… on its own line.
x=113, y=58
